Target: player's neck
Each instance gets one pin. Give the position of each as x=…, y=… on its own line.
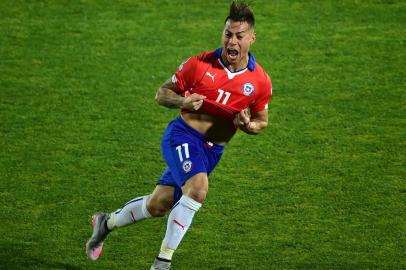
x=235, y=67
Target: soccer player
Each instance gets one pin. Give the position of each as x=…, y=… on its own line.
x=218, y=92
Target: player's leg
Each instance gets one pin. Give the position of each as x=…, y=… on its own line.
x=154, y=205
x=197, y=187
x=161, y=200
x=181, y=216
x=189, y=160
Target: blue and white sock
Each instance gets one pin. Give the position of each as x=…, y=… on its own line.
x=133, y=211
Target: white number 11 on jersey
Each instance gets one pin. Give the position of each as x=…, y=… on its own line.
x=221, y=93
x=186, y=148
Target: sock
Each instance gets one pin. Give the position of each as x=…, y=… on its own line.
x=165, y=253
x=132, y=211
x=179, y=221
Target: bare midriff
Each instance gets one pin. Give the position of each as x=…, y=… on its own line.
x=216, y=129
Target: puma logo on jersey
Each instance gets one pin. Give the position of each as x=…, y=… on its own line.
x=211, y=76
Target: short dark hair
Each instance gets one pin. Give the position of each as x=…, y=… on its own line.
x=241, y=12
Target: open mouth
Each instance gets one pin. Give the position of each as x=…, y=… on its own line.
x=232, y=53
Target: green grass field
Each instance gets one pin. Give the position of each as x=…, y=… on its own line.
x=322, y=188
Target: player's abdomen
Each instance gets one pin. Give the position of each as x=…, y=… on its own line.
x=217, y=129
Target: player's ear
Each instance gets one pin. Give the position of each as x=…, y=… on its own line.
x=253, y=37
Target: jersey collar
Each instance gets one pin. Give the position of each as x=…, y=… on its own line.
x=251, y=59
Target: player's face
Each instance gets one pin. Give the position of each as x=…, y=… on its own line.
x=236, y=39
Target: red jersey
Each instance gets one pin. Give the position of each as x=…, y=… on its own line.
x=227, y=93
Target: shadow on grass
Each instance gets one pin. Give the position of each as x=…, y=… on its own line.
x=16, y=257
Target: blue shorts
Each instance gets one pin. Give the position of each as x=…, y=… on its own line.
x=187, y=152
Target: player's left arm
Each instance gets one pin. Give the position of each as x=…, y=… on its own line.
x=251, y=124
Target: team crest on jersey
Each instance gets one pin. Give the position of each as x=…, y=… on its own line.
x=187, y=166
x=248, y=89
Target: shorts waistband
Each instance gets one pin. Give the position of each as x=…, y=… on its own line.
x=214, y=146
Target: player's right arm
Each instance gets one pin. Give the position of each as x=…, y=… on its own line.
x=168, y=95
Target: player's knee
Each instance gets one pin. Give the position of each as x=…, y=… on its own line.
x=196, y=187
x=198, y=194
x=157, y=207
x=157, y=211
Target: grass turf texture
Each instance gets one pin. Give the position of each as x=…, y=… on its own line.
x=322, y=188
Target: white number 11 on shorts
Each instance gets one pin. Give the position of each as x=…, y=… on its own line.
x=186, y=149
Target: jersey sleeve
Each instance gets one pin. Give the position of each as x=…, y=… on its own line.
x=185, y=76
x=261, y=103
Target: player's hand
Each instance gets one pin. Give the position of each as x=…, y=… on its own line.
x=193, y=102
x=242, y=119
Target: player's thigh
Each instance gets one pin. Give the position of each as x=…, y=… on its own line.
x=185, y=158
x=160, y=200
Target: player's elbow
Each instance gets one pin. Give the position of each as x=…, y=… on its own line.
x=159, y=96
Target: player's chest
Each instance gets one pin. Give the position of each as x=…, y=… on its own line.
x=227, y=88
